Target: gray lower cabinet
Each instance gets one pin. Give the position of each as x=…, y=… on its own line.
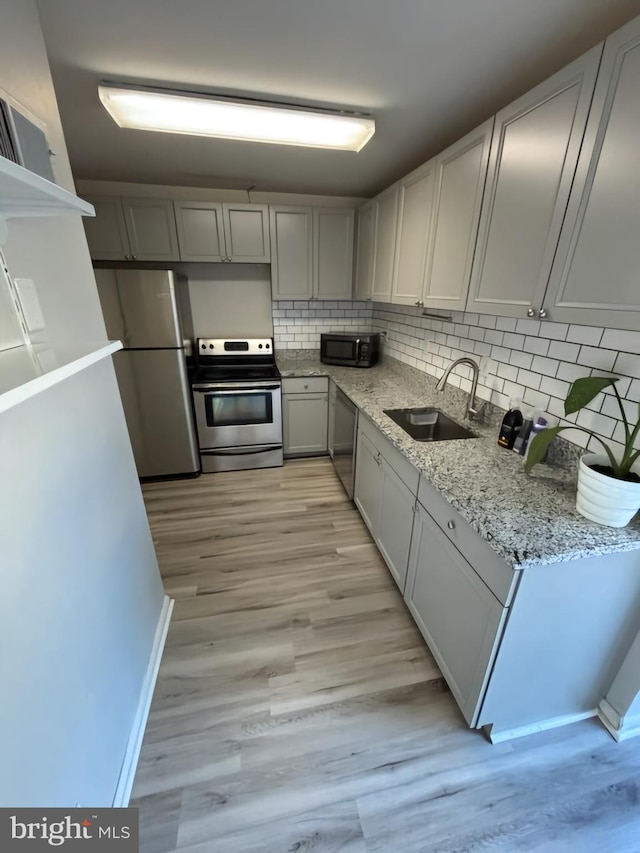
x=458, y=615
x=305, y=416
x=386, y=504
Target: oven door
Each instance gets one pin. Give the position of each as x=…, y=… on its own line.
x=238, y=414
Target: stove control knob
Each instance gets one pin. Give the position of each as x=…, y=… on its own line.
x=259, y=346
x=267, y=346
x=204, y=346
x=210, y=346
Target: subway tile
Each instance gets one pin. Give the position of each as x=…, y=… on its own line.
x=531, y=380
x=619, y=435
x=476, y=333
x=563, y=351
x=571, y=372
x=539, y=346
x=598, y=423
x=555, y=387
x=461, y=330
x=621, y=339
x=521, y=359
x=623, y=385
x=576, y=436
x=513, y=391
x=513, y=341
x=628, y=365
x=611, y=408
x=501, y=400
x=555, y=331
x=500, y=354
x=528, y=327
x=471, y=318
x=603, y=359
x=634, y=391
x=506, y=324
x=547, y=366
x=536, y=400
x=589, y=335
x=481, y=348
x=494, y=337
x=487, y=321
x=506, y=371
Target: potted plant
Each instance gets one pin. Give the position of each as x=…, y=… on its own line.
x=608, y=483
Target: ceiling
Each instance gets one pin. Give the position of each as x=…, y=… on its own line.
x=428, y=70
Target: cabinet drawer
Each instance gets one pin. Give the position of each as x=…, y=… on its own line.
x=494, y=571
x=403, y=468
x=305, y=385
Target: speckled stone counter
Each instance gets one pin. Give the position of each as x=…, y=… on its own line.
x=527, y=520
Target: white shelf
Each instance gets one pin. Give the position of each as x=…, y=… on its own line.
x=23, y=193
x=28, y=370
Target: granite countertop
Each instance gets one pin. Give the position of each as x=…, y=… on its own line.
x=528, y=520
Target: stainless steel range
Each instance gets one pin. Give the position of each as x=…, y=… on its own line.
x=237, y=394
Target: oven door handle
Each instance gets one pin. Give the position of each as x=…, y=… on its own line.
x=233, y=451
x=220, y=392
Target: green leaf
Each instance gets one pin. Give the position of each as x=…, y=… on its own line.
x=584, y=390
x=539, y=446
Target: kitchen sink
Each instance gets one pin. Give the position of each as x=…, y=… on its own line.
x=428, y=424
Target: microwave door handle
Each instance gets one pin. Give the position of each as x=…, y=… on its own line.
x=358, y=342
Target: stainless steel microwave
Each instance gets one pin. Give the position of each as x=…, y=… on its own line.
x=355, y=349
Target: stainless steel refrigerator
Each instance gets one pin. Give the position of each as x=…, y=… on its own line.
x=148, y=310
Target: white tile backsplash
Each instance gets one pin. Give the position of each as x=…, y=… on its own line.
x=530, y=360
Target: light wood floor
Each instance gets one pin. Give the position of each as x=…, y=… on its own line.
x=298, y=709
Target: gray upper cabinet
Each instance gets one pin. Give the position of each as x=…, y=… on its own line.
x=311, y=252
x=595, y=278
x=151, y=227
x=365, y=250
x=291, y=252
x=415, y=209
x=333, y=252
x=461, y=172
x=385, y=243
x=107, y=232
x=533, y=158
x=200, y=231
x=246, y=233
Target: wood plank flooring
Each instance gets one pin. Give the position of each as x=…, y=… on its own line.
x=298, y=708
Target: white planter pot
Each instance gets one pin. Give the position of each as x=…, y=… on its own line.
x=604, y=499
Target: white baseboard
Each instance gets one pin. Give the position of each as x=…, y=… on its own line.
x=542, y=726
x=618, y=727
x=134, y=744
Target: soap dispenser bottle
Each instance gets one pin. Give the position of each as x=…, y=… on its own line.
x=511, y=424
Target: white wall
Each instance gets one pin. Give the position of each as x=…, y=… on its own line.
x=81, y=589
x=230, y=300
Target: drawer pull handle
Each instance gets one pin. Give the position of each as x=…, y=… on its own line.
x=451, y=525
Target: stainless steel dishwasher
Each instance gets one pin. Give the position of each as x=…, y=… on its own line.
x=342, y=437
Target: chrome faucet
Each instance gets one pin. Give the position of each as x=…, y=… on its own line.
x=470, y=411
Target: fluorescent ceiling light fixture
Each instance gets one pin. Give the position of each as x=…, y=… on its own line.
x=252, y=121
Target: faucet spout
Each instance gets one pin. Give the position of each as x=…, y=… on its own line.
x=470, y=410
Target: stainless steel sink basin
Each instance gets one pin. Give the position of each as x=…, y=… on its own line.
x=428, y=424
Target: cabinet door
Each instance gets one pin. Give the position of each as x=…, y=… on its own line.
x=534, y=152
x=461, y=171
x=365, y=250
x=304, y=424
x=595, y=274
x=246, y=233
x=385, y=243
x=368, y=485
x=395, y=523
x=151, y=227
x=458, y=616
x=291, y=252
x=200, y=233
x=107, y=232
x=415, y=207
x=333, y=253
